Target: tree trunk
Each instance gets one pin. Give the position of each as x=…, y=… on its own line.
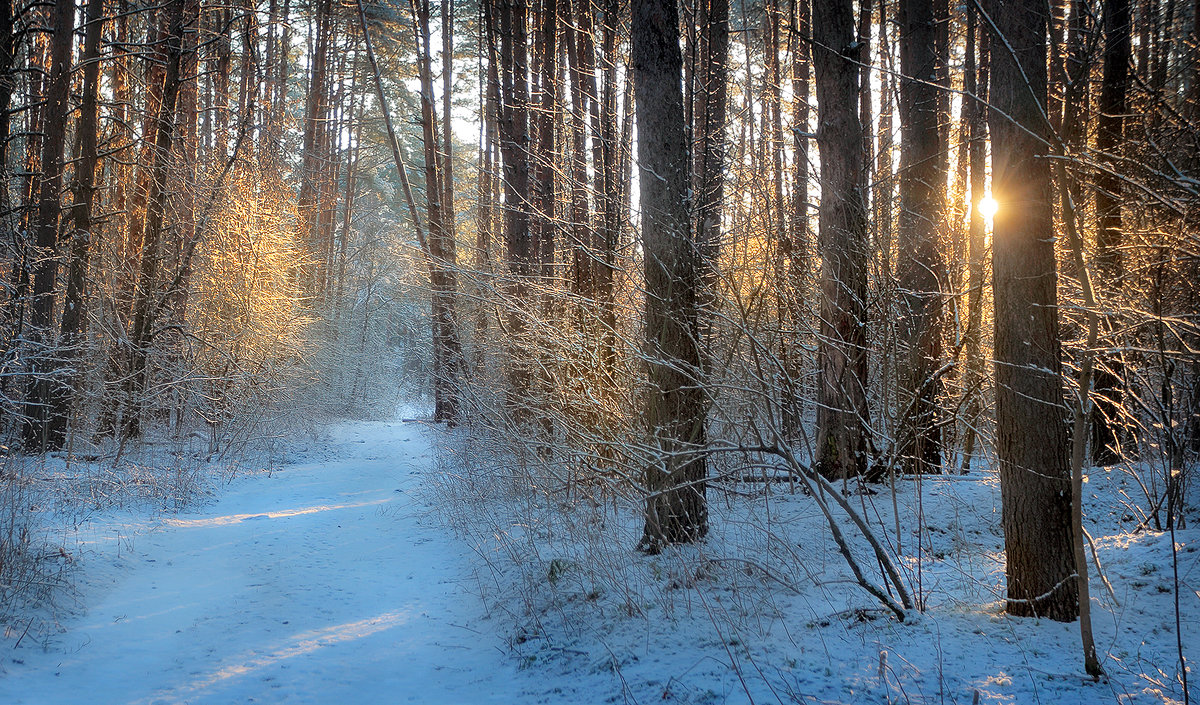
x=1076, y=102
x=355, y=110
x=308, y=200
x=865, y=94
x=922, y=185
x=778, y=236
x=40, y=433
x=842, y=242
x=610, y=182
x=8, y=84
x=489, y=180
x=180, y=15
x=976, y=82
x=442, y=251
x=12, y=314
x=248, y=81
x=583, y=260
x=84, y=188
x=223, y=72
x=1031, y=428
x=448, y=214
x=547, y=159
x=1106, y=422
x=708, y=163
x=676, y=509
x=798, y=240
x=279, y=73
x=514, y=148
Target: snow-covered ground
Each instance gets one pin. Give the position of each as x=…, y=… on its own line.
x=765, y=610
x=335, y=579
x=325, y=582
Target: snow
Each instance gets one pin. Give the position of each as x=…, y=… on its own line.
x=765, y=610
x=390, y=563
x=324, y=582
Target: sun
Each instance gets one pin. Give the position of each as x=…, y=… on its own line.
x=988, y=207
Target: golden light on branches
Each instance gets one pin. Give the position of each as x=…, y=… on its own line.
x=249, y=314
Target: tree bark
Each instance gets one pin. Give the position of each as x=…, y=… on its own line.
x=976, y=82
x=8, y=84
x=676, y=509
x=922, y=187
x=180, y=14
x=448, y=213
x=514, y=148
x=842, y=241
x=610, y=185
x=489, y=177
x=40, y=434
x=1031, y=427
x=442, y=250
x=711, y=79
x=584, y=268
x=1106, y=415
x=544, y=186
x=308, y=200
x=799, y=248
x=84, y=188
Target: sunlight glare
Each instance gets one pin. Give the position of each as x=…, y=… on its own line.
x=988, y=207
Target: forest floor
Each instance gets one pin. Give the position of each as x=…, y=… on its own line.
x=326, y=581
x=335, y=578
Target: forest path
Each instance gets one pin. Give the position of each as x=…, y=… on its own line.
x=327, y=582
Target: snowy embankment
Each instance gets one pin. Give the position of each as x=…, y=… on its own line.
x=324, y=582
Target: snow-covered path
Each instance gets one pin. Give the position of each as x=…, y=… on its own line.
x=326, y=583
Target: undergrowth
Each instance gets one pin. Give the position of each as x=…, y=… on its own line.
x=767, y=604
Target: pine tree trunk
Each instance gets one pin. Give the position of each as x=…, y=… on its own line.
x=448, y=212
x=610, y=185
x=976, y=81
x=842, y=241
x=583, y=264
x=84, y=190
x=865, y=95
x=356, y=108
x=799, y=248
x=489, y=181
x=708, y=168
x=1031, y=425
x=547, y=161
x=40, y=433
x=180, y=16
x=920, y=266
x=676, y=509
x=8, y=84
x=12, y=314
x=1106, y=422
x=308, y=200
x=447, y=350
x=518, y=239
